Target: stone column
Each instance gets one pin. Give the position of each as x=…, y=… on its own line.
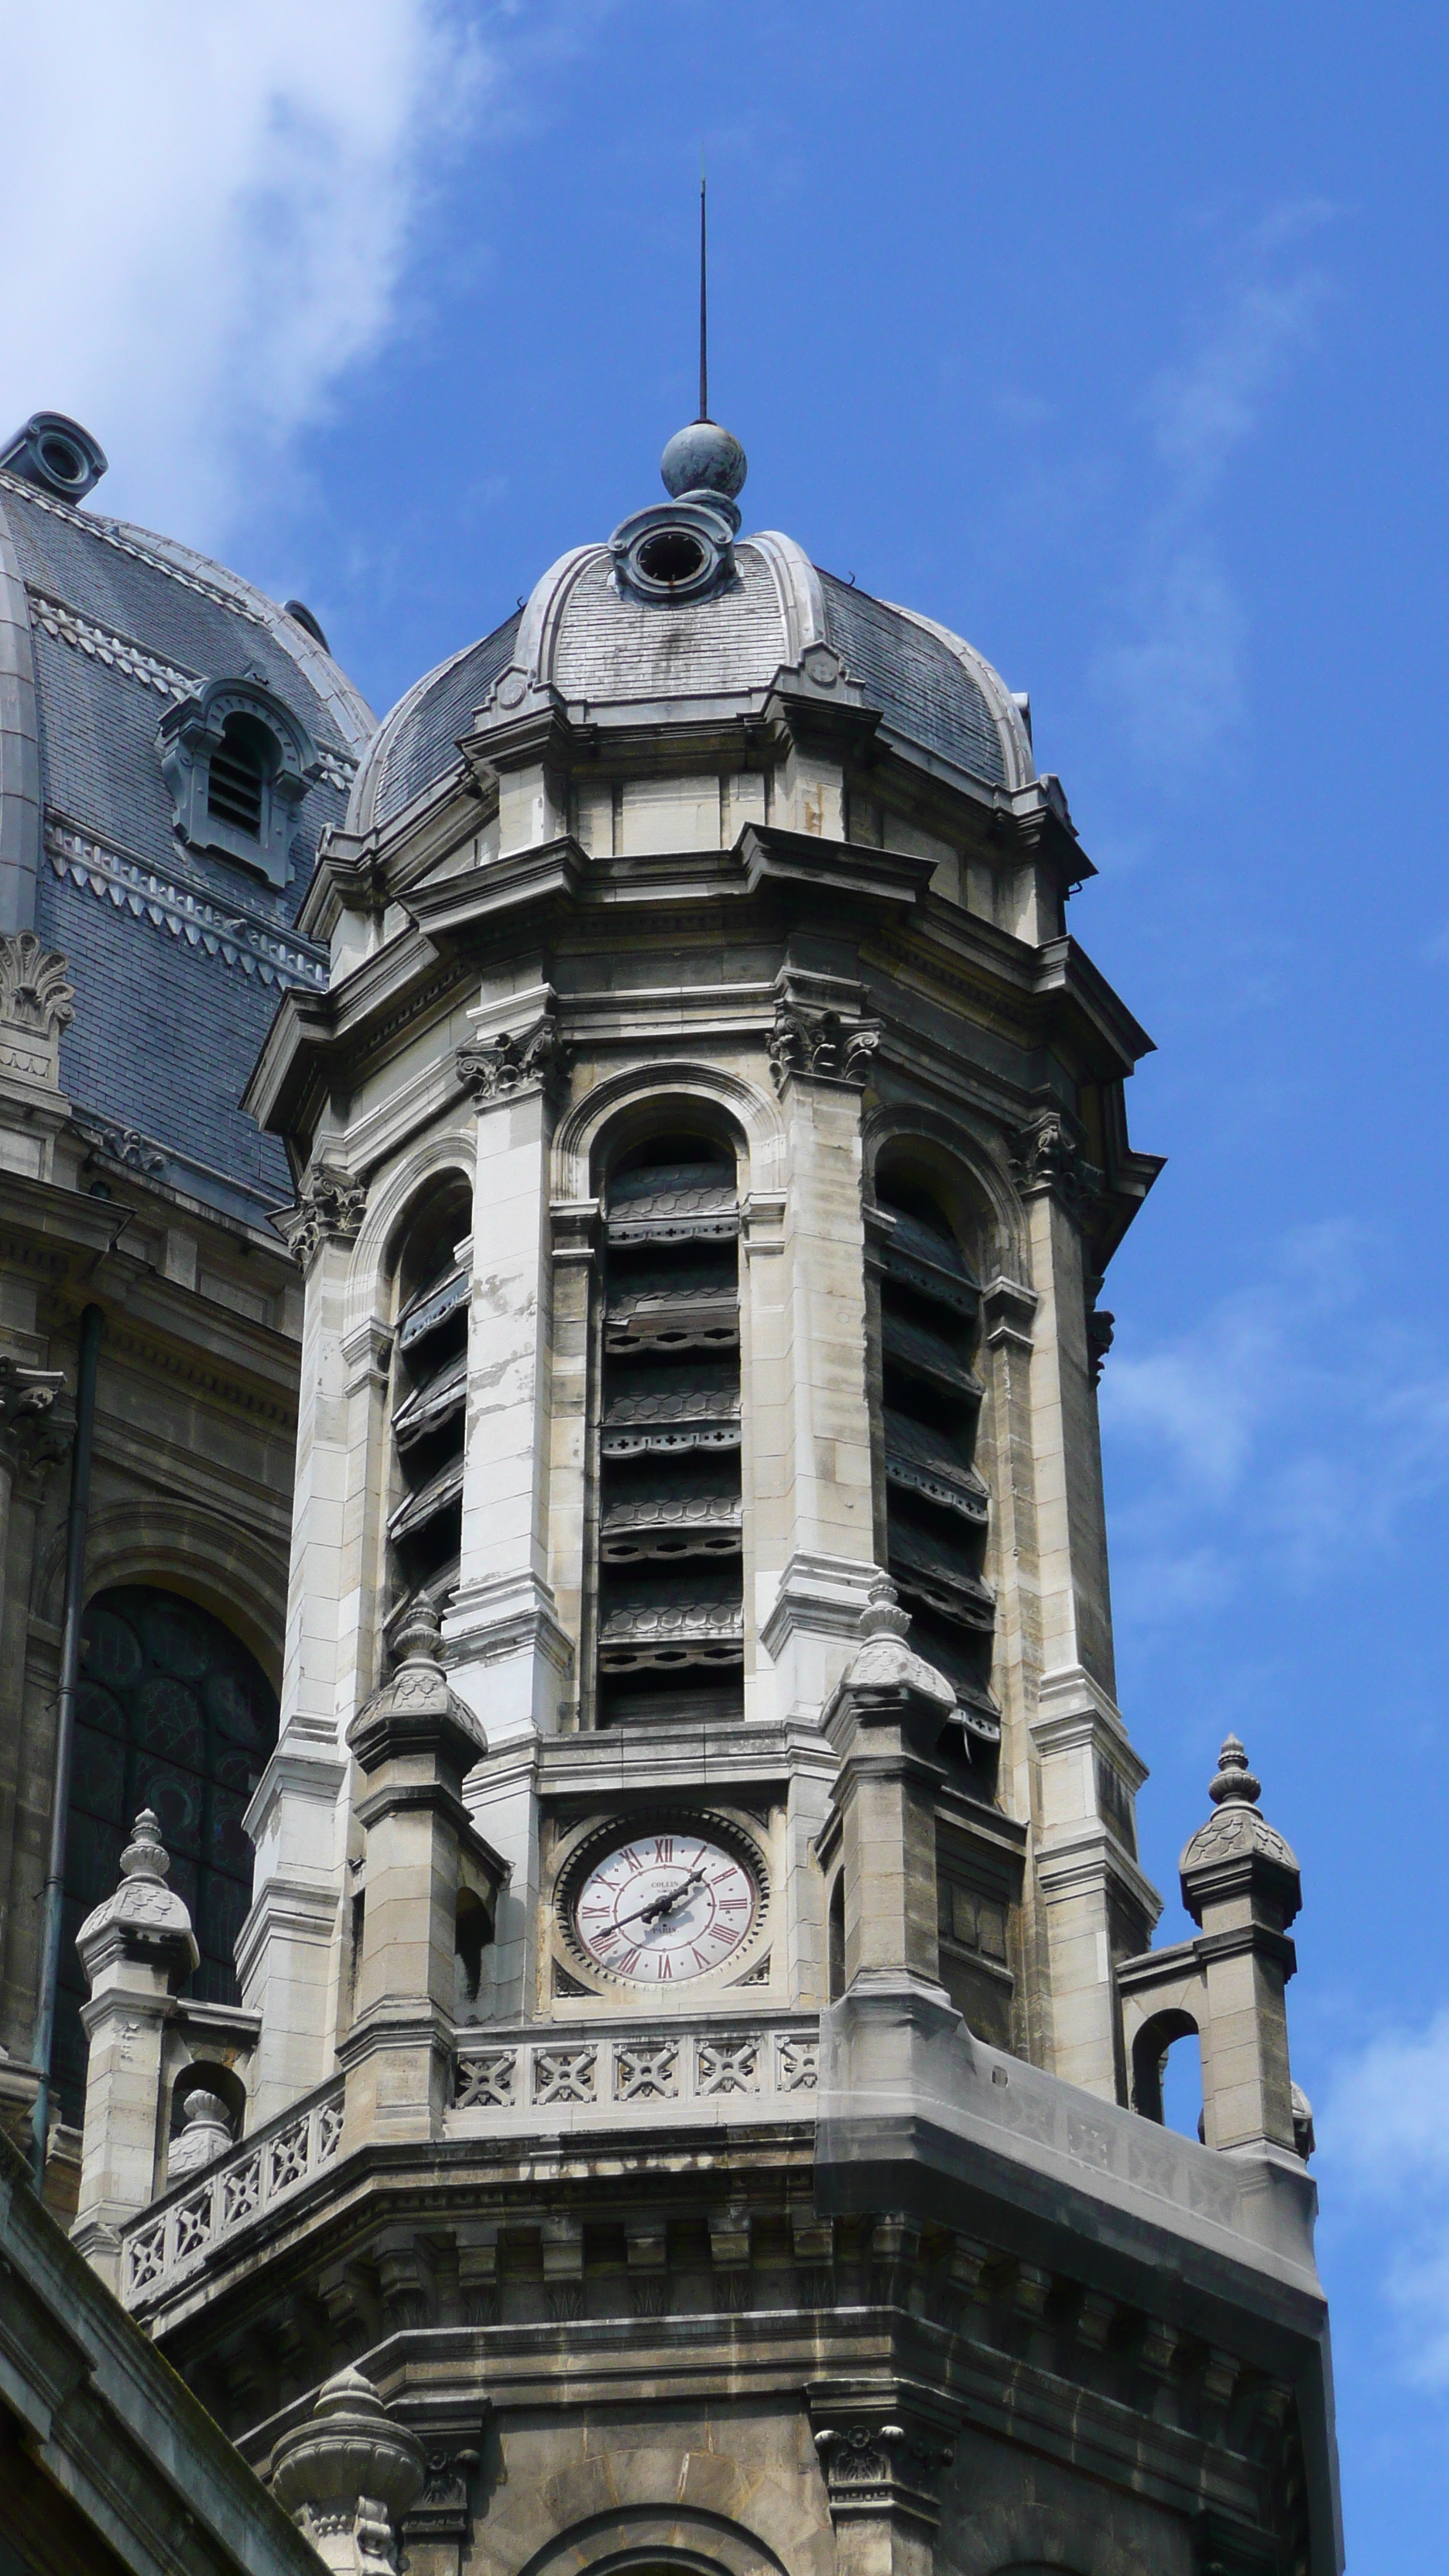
x=415, y=1741
x=135, y=1949
x=288, y=1946
x=348, y=2475
x=1240, y=1882
x=809, y=1510
x=1095, y=1902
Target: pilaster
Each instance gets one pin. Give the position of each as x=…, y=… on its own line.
x=810, y=1504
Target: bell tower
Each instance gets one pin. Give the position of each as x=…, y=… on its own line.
x=702, y=2073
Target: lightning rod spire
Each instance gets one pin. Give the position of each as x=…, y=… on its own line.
x=703, y=301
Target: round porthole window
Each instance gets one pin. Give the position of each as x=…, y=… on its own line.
x=675, y=551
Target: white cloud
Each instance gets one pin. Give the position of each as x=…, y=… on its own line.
x=1291, y=1422
x=1384, y=2136
x=1175, y=677
x=208, y=212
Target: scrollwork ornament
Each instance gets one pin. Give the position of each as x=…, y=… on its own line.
x=500, y=1067
x=873, y=2468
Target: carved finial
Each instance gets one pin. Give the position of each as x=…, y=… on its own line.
x=1233, y=1782
x=420, y=1638
x=883, y=1615
x=348, y=2392
x=145, y=1855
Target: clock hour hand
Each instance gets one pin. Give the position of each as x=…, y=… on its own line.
x=659, y=1905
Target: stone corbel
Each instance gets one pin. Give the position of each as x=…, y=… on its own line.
x=500, y=1067
x=1047, y=1157
x=330, y=1208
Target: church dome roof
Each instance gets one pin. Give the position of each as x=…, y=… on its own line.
x=613, y=644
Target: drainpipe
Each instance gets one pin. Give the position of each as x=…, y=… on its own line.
x=70, y=1651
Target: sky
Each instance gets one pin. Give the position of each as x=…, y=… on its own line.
x=1115, y=339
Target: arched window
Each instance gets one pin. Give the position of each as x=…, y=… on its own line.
x=238, y=775
x=936, y=1501
x=429, y=1397
x=670, y=1616
x=172, y=1713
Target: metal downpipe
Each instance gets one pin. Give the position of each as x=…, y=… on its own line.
x=53, y=1900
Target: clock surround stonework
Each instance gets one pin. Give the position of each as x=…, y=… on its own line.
x=713, y=1146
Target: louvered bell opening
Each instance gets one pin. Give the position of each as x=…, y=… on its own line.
x=430, y=1387
x=936, y=1501
x=236, y=780
x=670, y=1612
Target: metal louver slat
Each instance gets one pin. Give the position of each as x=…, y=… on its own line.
x=432, y=1307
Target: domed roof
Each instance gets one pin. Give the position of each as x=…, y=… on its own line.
x=176, y=948
x=611, y=644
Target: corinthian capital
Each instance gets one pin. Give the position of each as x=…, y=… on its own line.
x=1047, y=1158
x=531, y=1059
x=823, y=1044
x=330, y=1207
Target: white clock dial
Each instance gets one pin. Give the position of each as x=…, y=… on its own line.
x=665, y=1907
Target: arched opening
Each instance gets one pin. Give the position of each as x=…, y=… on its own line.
x=936, y=1500
x=835, y=1938
x=1167, y=2073
x=239, y=773
x=175, y=1714
x=670, y=1620
x=429, y=1397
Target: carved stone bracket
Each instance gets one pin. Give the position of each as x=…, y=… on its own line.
x=124, y=1145
x=37, y=1418
x=1047, y=1157
x=826, y=1045
x=878, y=2464
x=330, y=1208
x=531, y=1059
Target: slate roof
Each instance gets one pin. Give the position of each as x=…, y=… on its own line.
x=603, y=650
x=178, y=956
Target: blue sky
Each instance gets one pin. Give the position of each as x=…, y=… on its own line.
x=1114, y=338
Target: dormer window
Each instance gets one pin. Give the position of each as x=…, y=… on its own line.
x=236, y=782
x=238, y=763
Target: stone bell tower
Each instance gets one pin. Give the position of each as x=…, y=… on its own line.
x=696, y=2100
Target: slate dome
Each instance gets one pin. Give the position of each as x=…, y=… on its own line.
x=610, y=654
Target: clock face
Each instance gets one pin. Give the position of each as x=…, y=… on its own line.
x=665, y=1907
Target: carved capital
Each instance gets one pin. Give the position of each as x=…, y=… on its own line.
x=36, y=1004
x=531, y=1059
x=827, y=1045
x=330, y=1208
x=882, y=2463
x=1047, y=1157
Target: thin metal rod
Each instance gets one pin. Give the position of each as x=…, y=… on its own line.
x=53, y=1903
x=703, y=307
